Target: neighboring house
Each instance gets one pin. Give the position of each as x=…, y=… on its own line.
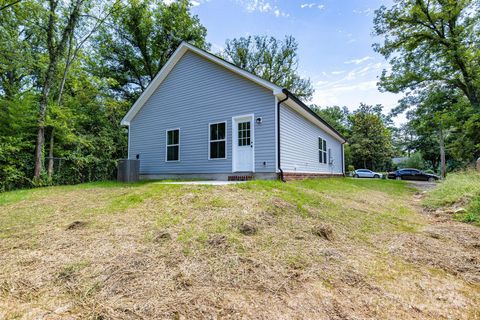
x=202, y=117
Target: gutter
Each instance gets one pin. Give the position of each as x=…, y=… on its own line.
x=278, y=133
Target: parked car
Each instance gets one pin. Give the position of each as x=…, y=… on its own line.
x=365, y=173
x=412, y=174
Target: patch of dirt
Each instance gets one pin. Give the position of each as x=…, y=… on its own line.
x=324, y=231
x=443, y=243
x=248, y=228
x=218, y=240
x=76, y=225
x=161, y=236
x=429, y=247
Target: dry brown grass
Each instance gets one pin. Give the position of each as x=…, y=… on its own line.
x=171, y=252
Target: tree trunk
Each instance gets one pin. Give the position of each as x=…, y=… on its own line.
x=41, y=120
x=443, y=165
x=50, y=154
x=39, y=152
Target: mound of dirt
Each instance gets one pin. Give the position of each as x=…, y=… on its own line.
x=248, y=228
x=324, y=231
x=161, y=236
x=76, y=225
x=217, y=240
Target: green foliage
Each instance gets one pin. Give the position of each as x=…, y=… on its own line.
x=431, y=41
x=15, y=162
x=462, y=189
x=433, y=48
x=335, y=116
x=271, y=59
x=127, y=40
x=370, y=140
x=138, y=39
x=414, y=161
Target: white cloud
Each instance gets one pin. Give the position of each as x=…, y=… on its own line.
x=366, y=12
x=358, y=61
x=307, y=5
x=351, y=87
x=263, y=6
x=311, y=5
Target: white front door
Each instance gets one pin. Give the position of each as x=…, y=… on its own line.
x=242, y=143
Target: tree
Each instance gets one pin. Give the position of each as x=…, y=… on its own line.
x=56, y=40
x=404, y=139
x=271, y=59
x=138, y=39
x=431, y=41
x=335, y=116
x=435, y=115
x=370, y=140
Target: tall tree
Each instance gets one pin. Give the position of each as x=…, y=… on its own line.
x=271, y=59
x=138, y=39
x=59, y=29
x=370, y=140
x=442, y=133
x=431, y=41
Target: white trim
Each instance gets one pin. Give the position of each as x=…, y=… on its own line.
x=172, y=145
x=324, y=152
x=128, y=147
x=172, y=61
x=226, y=138
x=276, y=135
x=235, y=137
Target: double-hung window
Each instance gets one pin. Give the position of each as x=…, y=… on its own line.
x=322, y=150
x=217, y=141
x=173, y=145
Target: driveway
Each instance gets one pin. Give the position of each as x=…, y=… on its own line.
x=422, y=185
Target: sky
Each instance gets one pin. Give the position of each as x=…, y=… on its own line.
x=334, y=36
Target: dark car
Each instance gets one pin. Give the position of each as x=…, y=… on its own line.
x=412, y=174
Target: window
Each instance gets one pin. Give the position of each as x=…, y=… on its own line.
x=217, y=142
x=173, y=145
x=244, y=134
x=322, y=150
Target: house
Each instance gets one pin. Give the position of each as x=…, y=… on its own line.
x=202, y=117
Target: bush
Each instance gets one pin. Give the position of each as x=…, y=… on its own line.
x=15, y=163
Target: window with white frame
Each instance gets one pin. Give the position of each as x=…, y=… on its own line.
x=322, y=150
x=217, y=141
x=173, y=145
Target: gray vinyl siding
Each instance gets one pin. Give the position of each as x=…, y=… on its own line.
x=299, y=145
x=195, y=93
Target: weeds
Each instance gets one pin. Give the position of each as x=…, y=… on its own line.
x=459, y=189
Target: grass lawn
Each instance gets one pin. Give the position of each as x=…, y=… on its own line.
x=326, y=248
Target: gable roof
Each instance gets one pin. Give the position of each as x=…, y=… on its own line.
x=277, y=91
